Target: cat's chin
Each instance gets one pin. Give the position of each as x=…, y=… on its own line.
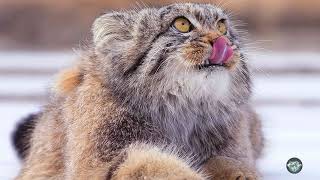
x=203, y=84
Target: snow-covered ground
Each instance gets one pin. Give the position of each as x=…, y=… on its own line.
x=286, y=95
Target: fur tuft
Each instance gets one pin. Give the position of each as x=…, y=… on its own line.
x=67, y=81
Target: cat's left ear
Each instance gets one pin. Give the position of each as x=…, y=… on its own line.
x=113, y=27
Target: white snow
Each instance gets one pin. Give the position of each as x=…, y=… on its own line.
x=285, y=60
x=287, y=87
x=34, y=60
x=291, y=130
x=25, y=85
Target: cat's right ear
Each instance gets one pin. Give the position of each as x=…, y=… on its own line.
x=110, y=27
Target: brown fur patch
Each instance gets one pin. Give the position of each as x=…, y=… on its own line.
x=67, y=81
x=85, y=110
x=149, y=162
x=210, y=37
x=194, y=53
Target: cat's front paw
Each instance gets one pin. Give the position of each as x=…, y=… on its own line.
x=224, y=168
x=234, y=174
x=150, y=163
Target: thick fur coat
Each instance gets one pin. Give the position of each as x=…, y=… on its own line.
x=139, y=104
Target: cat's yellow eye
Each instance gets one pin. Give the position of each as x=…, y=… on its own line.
x=182, y=24
x=222, y=27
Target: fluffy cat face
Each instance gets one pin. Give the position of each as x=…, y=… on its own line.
x=184, y=51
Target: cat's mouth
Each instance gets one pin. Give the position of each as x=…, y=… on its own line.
x=221, y=54
x=207, y=65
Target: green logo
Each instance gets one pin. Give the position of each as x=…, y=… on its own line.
x=294, y=165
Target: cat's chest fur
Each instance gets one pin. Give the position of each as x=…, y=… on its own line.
x=197, y=136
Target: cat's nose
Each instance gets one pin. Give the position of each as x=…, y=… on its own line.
x=222, y=51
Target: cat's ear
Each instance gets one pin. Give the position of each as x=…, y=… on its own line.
x=116, y=26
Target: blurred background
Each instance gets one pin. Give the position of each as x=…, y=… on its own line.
x=38, y=37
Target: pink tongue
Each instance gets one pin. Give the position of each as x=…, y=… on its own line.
x=221, y=52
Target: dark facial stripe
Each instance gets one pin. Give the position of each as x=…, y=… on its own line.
x=159, y=63
x=163, y=56
x=137, y=63
x=198, y=16
x=140, y=59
